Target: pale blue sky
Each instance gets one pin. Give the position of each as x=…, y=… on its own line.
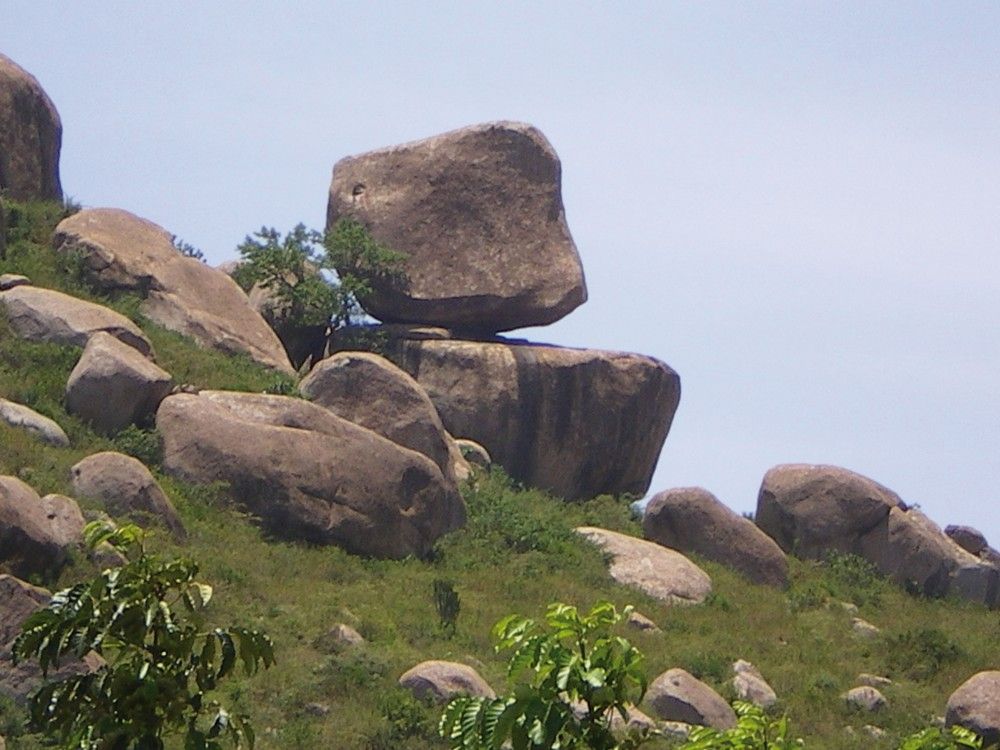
x=795, y=205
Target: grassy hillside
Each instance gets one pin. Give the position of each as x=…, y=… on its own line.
x=517, y=554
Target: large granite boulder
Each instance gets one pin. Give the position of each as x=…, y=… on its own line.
x=123, y=253
x=371, y=391
x=479, y=214
x=113, y=385
x=45, y=429
x=676, y=695
x=575, y=422
x=810, y=510
x=441, y=681
x=29, y=543
x=45, y=315
x=309, y=474
x=30, y=137
x=18, y=600
x=975, y=705
x=691, y=519
x=657, y=571
x=127, y=488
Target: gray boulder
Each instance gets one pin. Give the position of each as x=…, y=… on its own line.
x=30, y=137
x=113, y=385
x=126, y=488
x=678, y=696
x=577, y=423
x=971, y=540
x=45, y=429
x=443, y=680
x=65, y=519
x=479, y=214
x=692, y=520
x=10, y=280
x=865, y=698
x=308, y=474
x=123, y=253
x=29, y=545
x=975, y=705
x=371, y=391
x=749, y=685
x=657, y=571
x=46, y=315
x=810, y=510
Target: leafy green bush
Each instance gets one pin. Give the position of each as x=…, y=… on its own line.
x=145, y=444
x=448, y=604
x=919, y=654
x=854, y=578
x=935, y=738
x=575, y=676
x=160, y=663
x=753, y=731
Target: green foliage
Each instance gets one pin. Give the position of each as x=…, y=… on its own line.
x=854, y=578
x=448, y=604
x=187, y=250
x=292, y=269
x=935, y=738
x=753, y=731
x=161, y=662
x=145, y=444
x=920, y=654
x=575, y=674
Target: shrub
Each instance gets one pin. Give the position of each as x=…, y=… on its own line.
x=753, y=731
x=919, y=654
x=160, y=664
x=143, y=444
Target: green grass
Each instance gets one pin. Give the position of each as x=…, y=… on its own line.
x=516, y=554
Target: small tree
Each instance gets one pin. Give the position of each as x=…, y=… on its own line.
x=161, y=662
x=576, y=676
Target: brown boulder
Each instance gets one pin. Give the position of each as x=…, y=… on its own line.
x=371, y=391
x=657, y=571
x=971, y=540
x=811, y=509
x=65, y=519
x=30, y=137
x=479, y=214
x=123, y=253
x=308, y=474
x=126, y=488
x=575, y=422
x=692, y=519
x=975, y=705
x=29, y=545
x=45, y=315
x=113, y=385
x=443, y=680
x=678, y=696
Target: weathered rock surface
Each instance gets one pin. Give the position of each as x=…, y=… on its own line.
x=864, y=629
x=30, y=137
x=65, y=519
x=749, y=685
x=11, y=280
x=678, y=696
x=371, y=391
x=975, y=705
x=45, y=429
x=18, y=600
x=479, y=214
x=639, y=621
x=692, y=519
x=28, y=542
x=443, y=680
x=873, y=680
x=660, y=572
x=113, y=385
x=912, y=550
x=971, y=540
x=46, y=315
x=123, y=253
x=575, y=422
x=865, y=698
x=810, y=509
x=309, y=474
x=126, y=488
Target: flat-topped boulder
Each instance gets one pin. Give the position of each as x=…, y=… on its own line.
x=676, y=695
x=124, y=253
x=113, y=385
x=479, y=214
x=309, y=474
x=40, y=314
x=30, y=137
x=691, y=519
x=661, y=573
x=441, y=681
x=43, y=428
x=575, y=422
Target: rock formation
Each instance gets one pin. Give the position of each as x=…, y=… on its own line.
x=678, y=696
x=30, y=543
x=479, y=214
x=30, y=137
x=45, y=429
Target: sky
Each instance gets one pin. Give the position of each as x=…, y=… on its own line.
x=794, y=205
